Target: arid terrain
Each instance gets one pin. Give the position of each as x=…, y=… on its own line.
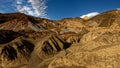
x=31, y=42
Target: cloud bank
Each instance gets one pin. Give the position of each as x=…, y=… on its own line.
x=90, y=15
x=32, y=7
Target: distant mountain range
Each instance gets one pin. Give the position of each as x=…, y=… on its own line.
x=32, y=42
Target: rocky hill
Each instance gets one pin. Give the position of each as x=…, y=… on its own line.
x=31, y=42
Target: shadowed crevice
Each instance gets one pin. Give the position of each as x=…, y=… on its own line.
x=9, y=52
x=47, y=48
x=7, y=36
x=56, y=45
x=25, y=48
x=66, y=44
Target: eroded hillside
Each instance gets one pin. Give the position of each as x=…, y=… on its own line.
x=31, y=42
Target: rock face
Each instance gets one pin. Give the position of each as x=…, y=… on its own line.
x=30, y=42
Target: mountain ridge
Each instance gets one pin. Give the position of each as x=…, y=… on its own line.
x=65, y=43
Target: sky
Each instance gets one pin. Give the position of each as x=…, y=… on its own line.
x=58, y=9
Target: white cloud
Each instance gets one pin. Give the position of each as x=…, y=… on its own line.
x=19, y=1
x=32, y=7
x=118, y=8
x=90, y=15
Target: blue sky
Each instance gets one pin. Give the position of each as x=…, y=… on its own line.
x=57, y=9
x=74, y=8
